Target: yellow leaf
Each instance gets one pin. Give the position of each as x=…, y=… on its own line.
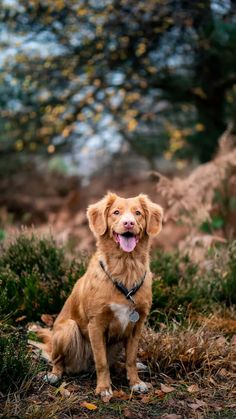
x=177, y=134
x=51, y=148
x=89, y=406
x=82, y=12
x=168, y=155
x=199, y=127
x=141, y=49
x=132, y=124
x=181, y=164
x=152, y=69
x=199, y=92
x=66, y=132
x=19, y=145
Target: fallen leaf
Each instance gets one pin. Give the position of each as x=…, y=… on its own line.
x=170, y=416
x=47, y=319
x=146, y=399
x=193, y=388
x=197, y=405
x=20, y=319
x=127, y=413
x=160, y=393
x=223, y=372
x=167, y=379
x=167, y=389
x=63, y=390
x=89, y=406
x=120, y=394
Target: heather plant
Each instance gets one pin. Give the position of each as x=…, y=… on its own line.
x=35, y=277
x=181, y=286
x=222, y=277
x=173, y=286
x=17, y=363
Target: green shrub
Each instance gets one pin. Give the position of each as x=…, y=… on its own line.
x=223, y=276
x=17, y=364
x=179, y=285
x=229, y=280
x=35, y=277
x=173, y=285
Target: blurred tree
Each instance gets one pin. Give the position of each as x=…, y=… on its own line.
x=161, y=73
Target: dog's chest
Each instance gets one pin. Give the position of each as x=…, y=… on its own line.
x=121, y=313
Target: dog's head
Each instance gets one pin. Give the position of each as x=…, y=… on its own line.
x=126, y=221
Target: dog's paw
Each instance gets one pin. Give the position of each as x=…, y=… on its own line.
x=141, y=367
x=51, y=378
x=140, y=387
x=104, y=392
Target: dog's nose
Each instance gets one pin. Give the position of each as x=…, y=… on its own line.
x=128, y=224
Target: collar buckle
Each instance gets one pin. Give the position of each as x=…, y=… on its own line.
x=121, y=287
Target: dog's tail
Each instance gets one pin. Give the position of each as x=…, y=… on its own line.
x=44, y=347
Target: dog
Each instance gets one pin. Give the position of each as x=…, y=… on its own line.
x=111, y=301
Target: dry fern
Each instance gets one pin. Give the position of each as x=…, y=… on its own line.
x=189, y=351
x=191, y=199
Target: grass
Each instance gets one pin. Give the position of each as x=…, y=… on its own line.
x=191, y=341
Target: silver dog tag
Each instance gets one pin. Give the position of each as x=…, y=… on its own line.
x=134, y=316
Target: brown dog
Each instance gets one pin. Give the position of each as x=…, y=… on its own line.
x=110, y=303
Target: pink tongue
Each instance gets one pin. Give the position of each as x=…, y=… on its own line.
x=127, y=243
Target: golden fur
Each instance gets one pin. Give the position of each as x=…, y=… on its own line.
x=94, y=319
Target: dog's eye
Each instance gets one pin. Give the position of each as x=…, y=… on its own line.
x=137, y=212
x=116, y=212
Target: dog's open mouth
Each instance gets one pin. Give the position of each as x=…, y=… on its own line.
x=127, y=241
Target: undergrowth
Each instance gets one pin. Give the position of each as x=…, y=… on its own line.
x=35, y=277
x=180, y=286
x=17, y=363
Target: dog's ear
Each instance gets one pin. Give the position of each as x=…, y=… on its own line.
x=154, y=215
x=97, y=214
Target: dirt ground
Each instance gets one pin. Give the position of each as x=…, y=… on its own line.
x=167, y=399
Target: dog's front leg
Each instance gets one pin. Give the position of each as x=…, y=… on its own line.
x=131, y=356
x=97, y=340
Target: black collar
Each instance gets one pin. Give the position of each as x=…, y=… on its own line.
x=121, y=287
